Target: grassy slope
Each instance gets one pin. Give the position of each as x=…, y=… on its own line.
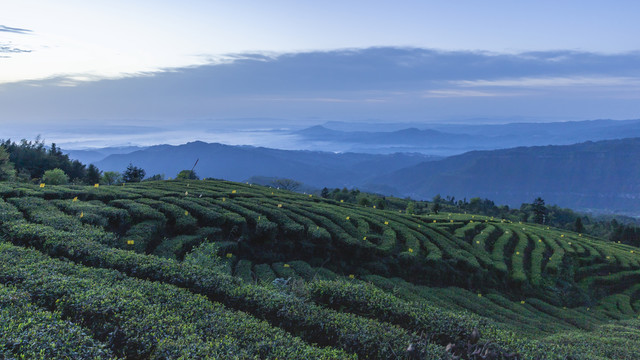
x=361, y=281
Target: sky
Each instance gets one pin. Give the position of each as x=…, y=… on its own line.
x=164, y=65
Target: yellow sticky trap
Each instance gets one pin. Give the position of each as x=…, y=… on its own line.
x=539, y=240
x=477, y=241
x=588, y=309
x=522, y=302
x=364, y=238
x=351, y=276
x=410, y=250
x=259, y=217
x=608, y=257
x=82, y=214
x=286, y=265
x=280, y=205
x=562, y=235
x=564, y=307
x=130, y=242
x=400, y=211
x=386, y=223
x=580, y=235
x=96, y=185
x=310, y=195
x=517, y=252
x=233, y=192
x=347, y=218
x=42, y=185
x=186, y=213
x=75, y=199
x=317, y=227
x=341, y=200
x=632, y=251
x=450, y=220
x=229, y=255
x=186, y=193
x=224, y=199
x=471, y=221
x=479, y=295
x=374, y=206
x=473, y=216
x=272, y=193
x=419, y=225
x=434, y=221
x=569, y=242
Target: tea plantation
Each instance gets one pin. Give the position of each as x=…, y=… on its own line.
x=222, y=270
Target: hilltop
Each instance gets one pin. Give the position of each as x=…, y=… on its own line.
x=164, y=269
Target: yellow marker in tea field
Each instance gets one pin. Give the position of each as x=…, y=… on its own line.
x=130, y=242
x=186, y=213
x=351, y=276
x=562, y=235
x=386, y=223
x=233, y=192
x=42, y=185
x=450, y=220
x=259, y=217
x=374, y=206
x=477, y=241
x=96, y=185
x=347, y=218
x=224, y=199
x=364, y=238
x=522, y=302
x=471, y=221
x=341, y=200
x=310, y=195
x=82, y=214
x=279, y=205
x=186, y=193
x=75, y=199
x=517, y=252
x=317, y=227
x=286, y=265
x=410, y=250
x=229, y=255
x=435, y=221
x=479, y=295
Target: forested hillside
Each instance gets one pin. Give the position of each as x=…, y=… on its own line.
x=215, y=269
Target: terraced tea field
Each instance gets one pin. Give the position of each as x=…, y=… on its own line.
x=214, y=269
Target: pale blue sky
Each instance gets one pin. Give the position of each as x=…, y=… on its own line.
x=433, y=61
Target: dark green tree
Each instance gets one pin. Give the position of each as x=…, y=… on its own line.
x=7, y=171
x=324, y=193
x=577, y=225
x=133, y=174
x=93, y=175
x=539, y=210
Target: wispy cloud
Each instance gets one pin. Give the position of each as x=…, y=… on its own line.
x=528, y=82
x=456, y=93
x=14, y=30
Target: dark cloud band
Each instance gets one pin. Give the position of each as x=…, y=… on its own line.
x=14, y=30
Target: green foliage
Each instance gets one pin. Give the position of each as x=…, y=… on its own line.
x=187, y=175
x=111, y=178
x=55, y=177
